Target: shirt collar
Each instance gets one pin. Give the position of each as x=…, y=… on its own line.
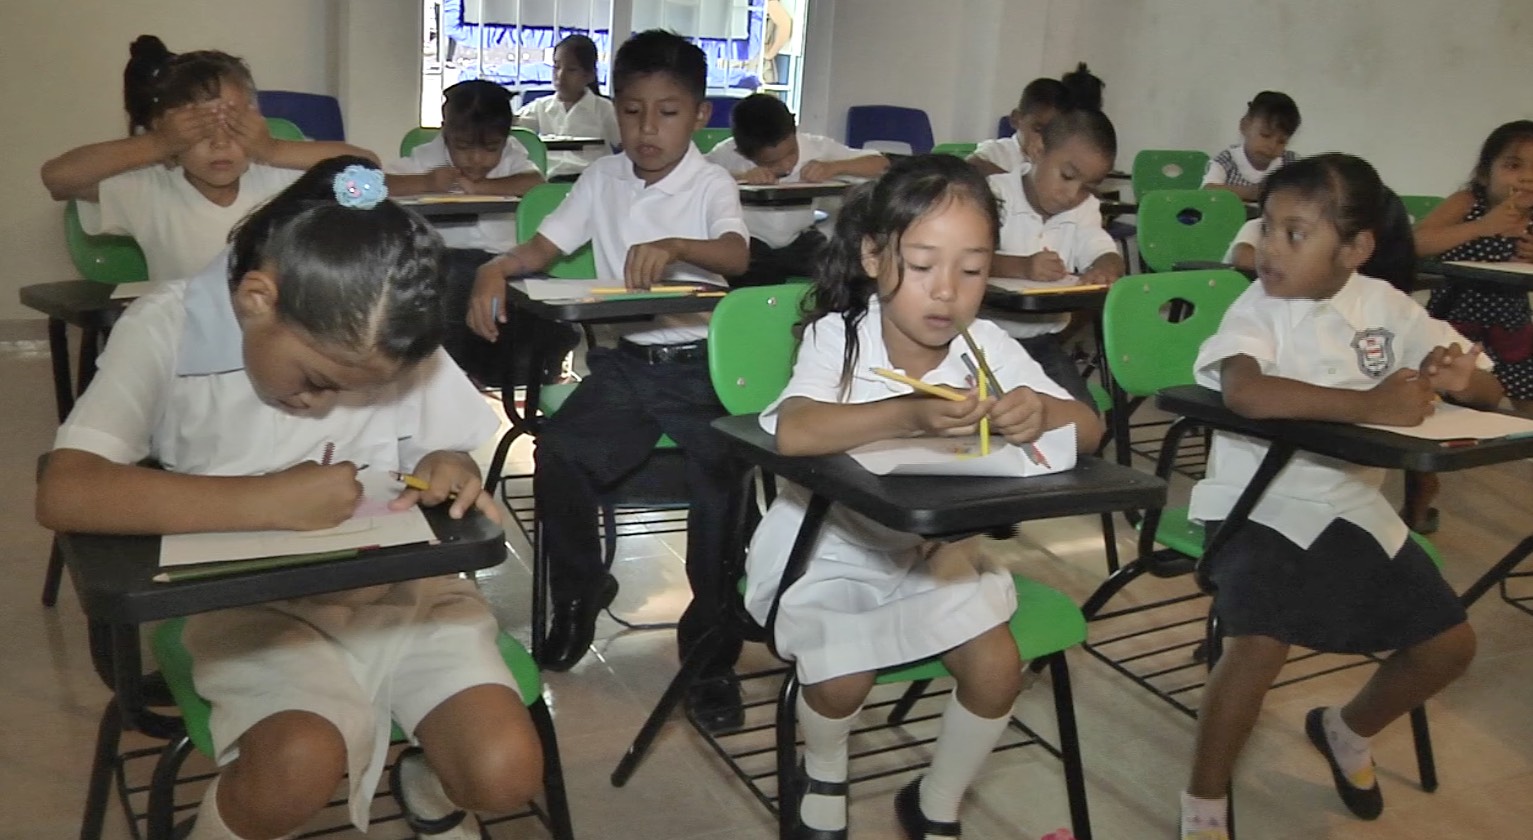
x=211, y=338
x=679, y=179
x=873, y=353
x=1347, y=303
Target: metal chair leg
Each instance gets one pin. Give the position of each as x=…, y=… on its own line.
x=555, y=800
x=707, y=648
x=1426, y=764
x=99, y=790
x=161, y=816
x=787, y=755
x=54, y=575
x=1070, y=746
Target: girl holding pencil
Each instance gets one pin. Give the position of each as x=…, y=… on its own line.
x=898, y=284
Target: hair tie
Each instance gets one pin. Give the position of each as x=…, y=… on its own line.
x=360, y=187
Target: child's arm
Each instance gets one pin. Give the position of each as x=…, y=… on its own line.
x=983, y=166
x=487, y=310
x=250, y=130
x=1104, y=270
x=449, y=475
x=83, y=492
x=1045, y=265
x=517, y=184
x=79, y=172
x=862, y=166
x=756, y=176
x=1404, y=398
x=809, y=427
x=439, y=180
x=729, y=255
x=1455, y=372
x=1445, y=229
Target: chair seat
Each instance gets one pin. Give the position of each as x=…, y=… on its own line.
x=1178, y=533
x=176, y=667
x=552, y=398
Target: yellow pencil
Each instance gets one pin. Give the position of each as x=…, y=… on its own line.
x=984, y=422
x=658, y=289
x=924, y=387
x=410, y=481
x=1064, y=290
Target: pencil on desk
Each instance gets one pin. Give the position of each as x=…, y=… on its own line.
x=924, y=387
x=258, y=564
x=1063, y=290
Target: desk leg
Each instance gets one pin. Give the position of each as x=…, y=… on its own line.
x=99, y=791
x=1498, y=572
x=1277, y=457
x=58, y=354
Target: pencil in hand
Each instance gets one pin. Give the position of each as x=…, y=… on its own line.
x=981, y=374
x=409, y=480
x=923, y=387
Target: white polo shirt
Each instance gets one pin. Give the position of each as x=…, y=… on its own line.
x=591, y=116
x=1356, y=339
x=779, y=226
x=172, y=385
x=1250, y=233
x=179, y=230
x=1005, y=152
x=1076, y=235
x=495, y=233
x=614, y=210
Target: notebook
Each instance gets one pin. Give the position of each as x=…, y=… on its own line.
x=959, y=456
x=372, y=526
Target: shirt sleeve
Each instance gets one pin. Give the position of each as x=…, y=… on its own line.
x=122, y=199
x=1012, y=365
x=825, y=148
x=1214, y=173
x=1242, y=332
x=724, y=155
x=817, y=368
x=446, y=413
x=1250, y=233
x=722, y=202
x=990, y=150
x=1091, y=239
x=116, y=416
x=514, y=160
x=1420, y=333
x=569, y=225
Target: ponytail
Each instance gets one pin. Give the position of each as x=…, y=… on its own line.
x=147, y=59
x=841, y=285
x=1084, y=88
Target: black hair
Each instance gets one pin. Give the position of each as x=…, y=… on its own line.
x=366, y=280
x=661, y=51
x=156, y=80
x=1348, y=189
x=478, y=111
x=1275, y=109
x=1091, y=125
x=1084, y=88
x=1044, y=94
x=1496, y=145
x=759, y=121
x=581, y=50
x=1394, y=245
x=881, y=212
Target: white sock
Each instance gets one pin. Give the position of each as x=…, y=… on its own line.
x=1204, y=815
x=1351, y=749
x=210, y=825
x=966, y=741
x=824, y=759
x=423, y=790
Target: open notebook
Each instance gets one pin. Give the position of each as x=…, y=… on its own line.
x=372, y=526
x=1455, y=422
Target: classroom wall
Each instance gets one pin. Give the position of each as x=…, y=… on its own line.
x=62, y=63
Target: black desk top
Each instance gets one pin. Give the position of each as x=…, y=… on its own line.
x=787, y=195
x=936, y=506
x=621, y=308
x=1053, y=302
x=1355, y=444
x=73, y=301
x=1474, y=274
x=556, y=143
x=461, y=208
x=114, y=575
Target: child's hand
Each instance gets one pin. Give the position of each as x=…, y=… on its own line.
x=487, y=308
x=449, y=475
x=757, y=176
x=445, y=179
x=1097, y=276
x=309, y=496
x=1404, y=398
x=1509, y=218
x=817, y=170
x=184, y=127
x=947, y=418
x=1449, y=369
x=1047, y=266
x=647, y=262
x=249, y=129
x=1018, y=416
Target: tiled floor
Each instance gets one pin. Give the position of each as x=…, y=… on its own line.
x=1136, y=748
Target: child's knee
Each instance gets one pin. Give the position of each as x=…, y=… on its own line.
x=290, y=764
x=1454, y=648
x=839, y=696
x=503, y=774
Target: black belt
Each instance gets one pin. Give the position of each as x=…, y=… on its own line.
x=663, y=354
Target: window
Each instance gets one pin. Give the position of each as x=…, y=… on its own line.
x=751, y=44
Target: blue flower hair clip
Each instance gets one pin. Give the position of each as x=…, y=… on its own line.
x=360, y=187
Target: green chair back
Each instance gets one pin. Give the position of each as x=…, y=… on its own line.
x=957, y=150
x=751, y=344
x=104, y=259
x=707, y=138
x=537, y=150
x=284, y=129
x=1168, y=169
x=415, y=137
x=1418, y=206
x=1145, y=350
x=1186, y=225
x=536, y=205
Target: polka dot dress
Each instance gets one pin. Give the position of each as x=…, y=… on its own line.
x=1501, y=320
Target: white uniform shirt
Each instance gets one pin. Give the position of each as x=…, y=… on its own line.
x=1005, y=152
x=1231, y=166
x=494, y=233
x=592, y=116
x=614, y=210
x=1356, y=339
x=179, y=230
x=779, y=226
x=1076, y=235
x=1250, y=233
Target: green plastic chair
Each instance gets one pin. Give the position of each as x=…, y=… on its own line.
x=535, y=207
x=284, y=129
x=416, y=137
x=957, y=150
x=707, y=138
x=1186, y=225
x=104, y=259
x=1418, y=206
x=1167, y=169
x=751, y=347
x=537, y=150
x=176, y=667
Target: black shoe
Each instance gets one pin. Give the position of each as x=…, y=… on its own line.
x=792, y=796
x=907, y=810
x=715, y=703
x=573, y=626
x=1366, y=803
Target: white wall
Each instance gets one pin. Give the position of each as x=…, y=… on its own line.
x=62, y=65
x=378, y=52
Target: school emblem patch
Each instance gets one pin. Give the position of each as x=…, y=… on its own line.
x=1375, y=351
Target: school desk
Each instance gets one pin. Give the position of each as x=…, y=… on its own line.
x=789, y=195
x=114, y=578
x=459, y=208
x=929, y=506
x=1482, y=275
x=560, y=143
x=73, y=303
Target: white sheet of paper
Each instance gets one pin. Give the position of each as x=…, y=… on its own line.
x=960, y=456
x=547, y=290
x=373, y=526
x=1513, y=267
x=1455, y=422
x=1018, y=284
